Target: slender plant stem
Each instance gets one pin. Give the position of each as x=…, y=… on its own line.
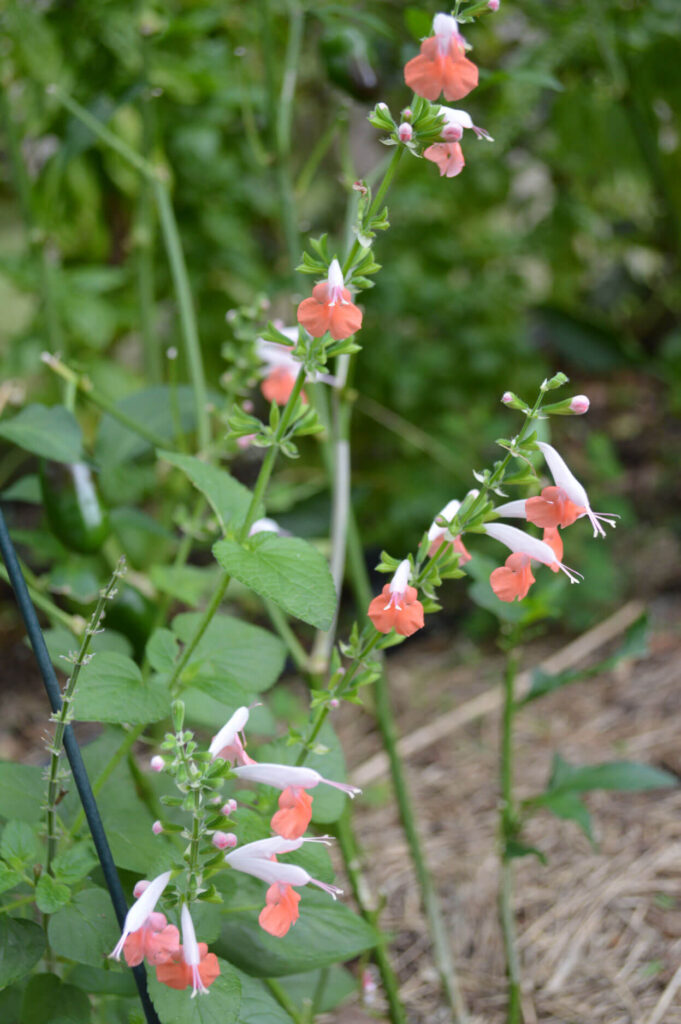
x=415, y=436
x=73, y=753
x=283, y=130
x=174, y=252
x=351, y=859
x=153, y=364
x=62, y=717
x=508, y=830
x=284, y=1000
x=319, y=150
x=293, y=644
x=376, y=202
x=15, y=904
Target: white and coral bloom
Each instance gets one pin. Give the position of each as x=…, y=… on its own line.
x=522, y=543
x=564, y=479
x=281, y=776
x=230, y=743
x=256, y=859
x=141, y=909
x=455, y=123
x=190, y=951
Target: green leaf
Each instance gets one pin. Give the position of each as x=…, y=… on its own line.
x=21, y=791
x=50, y=431
x=162, y=650
x=570, y=807
x=22, y=943
x=232, y=661
x=338, y=985
x=325, y=933
x=9, y=879
x=623, y=775
x=186, y=583
x=74, y=864
x=111, y=689
x=26, y=488
x=152, y=406
x=229, y=499
x=86, y=929
x=257, y=1005
x=514, y=848
x=287, y=570
x=221, y=1006
x=50, y=895
x=103, y=981
x=19, y=845
x=48, y=1000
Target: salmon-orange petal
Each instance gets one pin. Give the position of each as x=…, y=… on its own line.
x=554, y=540
x=552, y=508
x=448, y=156
x=278, y=385
x=295, y=813
x=314, y=317
x=133, y=950
x=280, y=911
x=163, y=945
x=424, y=76
x=514, y=579
x=409, y=619
x=382, y=617
x=178, y=974
x=460, y=75
x=344, y=319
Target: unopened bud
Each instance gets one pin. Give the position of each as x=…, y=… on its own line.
x=405, y=132
x=247, y=405
x=452, y=132
x=579, y=405
x=406, y=114
x=493, y=5
x=513, y=402
x=224, y=840
x=334, y=703
x=157, y=828
x=157, y=764
x=228, y=808
x=140, y=887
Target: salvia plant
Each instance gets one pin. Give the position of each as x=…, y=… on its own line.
x=214, y=847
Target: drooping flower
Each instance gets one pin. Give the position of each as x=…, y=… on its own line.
x=192, y=964
x=259, y=859
x=442, y=65
x=156, y=940
x=230, y=742
x=280, y=367
x=448, y=154
x=438, y=535
x=397, y=606
x=295, y=803
x=556, y=506
x=330, y=308
x=515, y=578
x=141, y=910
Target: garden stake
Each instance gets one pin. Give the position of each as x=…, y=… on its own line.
x=73, y=753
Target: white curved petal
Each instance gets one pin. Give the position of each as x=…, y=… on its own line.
x=562, y=476
x=512, y=509
x=518, y=540
x=226, y=736
x=190, y=947
x=279, y=775
x=400, y=580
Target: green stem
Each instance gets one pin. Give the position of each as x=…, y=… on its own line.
x=348, y=846
x=15, y=904
x=284, y=1000
x=293, y=645
x=508, y=830
x=86, y=388
x=376, y=202
x=318, y=153
x=175, y=254
x=64, y=714
x=283, y=131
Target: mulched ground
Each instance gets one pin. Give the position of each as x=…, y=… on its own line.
x=599, y=929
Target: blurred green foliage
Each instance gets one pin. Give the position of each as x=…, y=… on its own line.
x=558, y=246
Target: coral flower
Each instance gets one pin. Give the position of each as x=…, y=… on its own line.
x=560, y=505
x=192, y=964
x=513, y=579
x=438, y=535
x=442, y=66
x=156, y=940
x=280, y=366
x=138, y=916
x=260, y=860
x=397, y=606
x=330, y=308
x=295, y=803
x=448, y=154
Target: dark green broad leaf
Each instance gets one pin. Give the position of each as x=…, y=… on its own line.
x=103, y=980
x=26, y=488
x=50, y=895
x=75, y=863
x=19, y=845
x=9, y=879
x=325, y=933
x=622, y=775
x=61, y=643
x=22, y=943
x=143, y=539
x=186, y=583
x=116, y=444
x=111, y=689
x=257, y=1005
x=50, y=431
x=233, y=659
x=47, y=999
x=287, y=570
x=229, y=499
x=635, y=645
x=220, y=1007
x=85, y=930
x=22, y=791
x=337, y=985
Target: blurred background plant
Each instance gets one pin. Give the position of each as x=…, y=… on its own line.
x=558, y=247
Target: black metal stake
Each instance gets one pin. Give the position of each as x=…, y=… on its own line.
x=73, y=753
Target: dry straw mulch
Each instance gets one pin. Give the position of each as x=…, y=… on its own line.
x=599, y=929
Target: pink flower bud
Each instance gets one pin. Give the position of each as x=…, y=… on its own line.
x=405, y=132
x=247, y=405
x=245, y=442
x=229, y=808
x=157, y=828
x=452, y=132
x=493, y=5
x=507, y=397
x=579, y=404
x=223, y=840
x=406, y=114
x=157, y=764
x=140, y=887
x=334, y=703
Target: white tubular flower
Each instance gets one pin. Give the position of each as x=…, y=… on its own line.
x=281, y=776
x=140, y=910
x=519, y=541
x=564, y=479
